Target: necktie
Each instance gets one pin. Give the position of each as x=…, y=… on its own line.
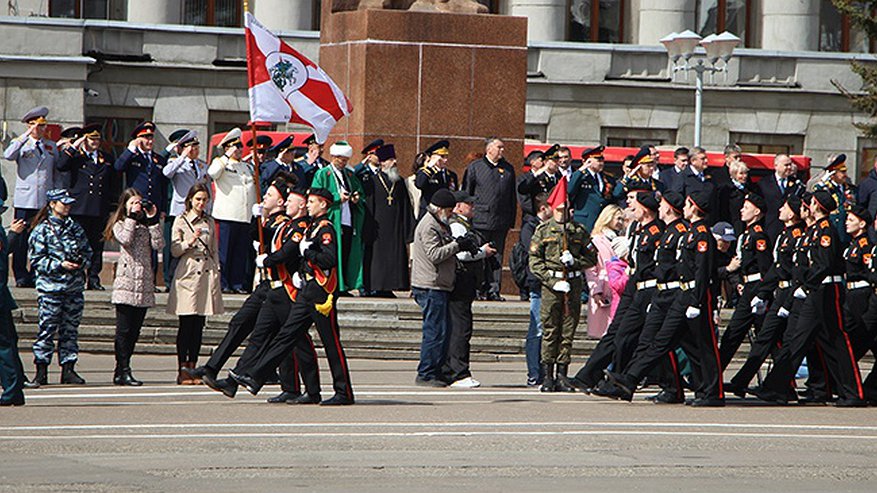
x=783, y=185
x=39, y=146
x=700, y=177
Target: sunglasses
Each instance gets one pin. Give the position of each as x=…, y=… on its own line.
x=147, y=136
x=239, y=145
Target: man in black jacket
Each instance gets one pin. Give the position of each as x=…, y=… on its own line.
x=491, y=180
x=775, y=188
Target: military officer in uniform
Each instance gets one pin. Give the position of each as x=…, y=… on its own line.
x=753, y=250
x=284, y=160
x=313, y=159
x=90, y=170
x=641, y=174
x=35, y=157
x=589, y=188
x=559, y=253
x=834, y=181
x=541, y=180
x=370, y=162
x=434, y=174
x=142, y=166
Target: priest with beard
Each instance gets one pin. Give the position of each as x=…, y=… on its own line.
x=388, y=228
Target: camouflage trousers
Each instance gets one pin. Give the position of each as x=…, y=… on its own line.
x=558, y=323
x=59, y=313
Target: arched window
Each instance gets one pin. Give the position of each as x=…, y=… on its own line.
x=596, y=21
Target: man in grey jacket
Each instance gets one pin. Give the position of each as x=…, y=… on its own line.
x=433, y=267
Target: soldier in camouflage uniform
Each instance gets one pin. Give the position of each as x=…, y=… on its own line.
x=60, y=255
x=559, y=251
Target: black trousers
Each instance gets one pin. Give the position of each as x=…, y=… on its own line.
x=767, y=341
x=494, y=275
x=870, y=318
x=739, y=325
x=129, y=321
x=240, y=327
x=346, y=245
x=456, y=366
x=19, y=254
x=602, y=354
x=302, y=359
x=301, y=316
x=634, y=318
x=189, y=337
x=94, y=233
x=821, y=320
x=11, y=370
x=666, y=371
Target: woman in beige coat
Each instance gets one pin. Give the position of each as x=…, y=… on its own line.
x=138, y=233
x=196, y=290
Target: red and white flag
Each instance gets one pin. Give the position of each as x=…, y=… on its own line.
x=287, y=87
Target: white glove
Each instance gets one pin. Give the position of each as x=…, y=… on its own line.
x=256, y=246
x=257, y=210
x=304, y=245
x=260, y=260
x=692, y=312
x=566, y=258
x=759, y=306
x=132, y=146
x=170, y=148
x=297, y=281
x=561, y=287
x=800, y=294
x=783, y=313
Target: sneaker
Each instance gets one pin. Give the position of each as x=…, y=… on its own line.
x=466, y=383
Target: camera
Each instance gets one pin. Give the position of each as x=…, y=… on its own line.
x=146, y=203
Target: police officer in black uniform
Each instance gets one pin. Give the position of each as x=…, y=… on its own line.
x=753, y=250
x=434, y=174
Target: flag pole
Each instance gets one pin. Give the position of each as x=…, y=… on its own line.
x=256, y=165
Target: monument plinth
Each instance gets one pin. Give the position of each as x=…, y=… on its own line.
x=416, y=77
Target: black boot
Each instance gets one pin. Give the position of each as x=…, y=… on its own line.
x=69, y=375
x=124, y=377
x=283, y=397
x=548, y=382
x=562, y=383
x=42, y=375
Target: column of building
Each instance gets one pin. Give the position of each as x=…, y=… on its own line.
x=790, y=25
x=546, y=19
x=155, y=11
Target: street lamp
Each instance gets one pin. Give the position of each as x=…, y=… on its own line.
x=681, y=48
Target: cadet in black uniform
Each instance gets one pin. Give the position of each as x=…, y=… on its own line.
x=754, y=253
x=857, y=260
x=870, y=318
x=316, y=282
x=777, y=282
x=821, y=318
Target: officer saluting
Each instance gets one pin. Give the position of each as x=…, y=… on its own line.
x=90, y=170
x=314, y=157
x=142, y=166
x=35, y=157
x=538, y=181
x=559, y=252
x=435, y=175
x=589, y=188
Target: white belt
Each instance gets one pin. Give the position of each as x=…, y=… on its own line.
x=785, y=284
x=687, y=285
x=669, y=285
x=569, y=275
x=651, y=283
x=832, y=279
x=276, y=284
x=858, y=284
x=752, y=278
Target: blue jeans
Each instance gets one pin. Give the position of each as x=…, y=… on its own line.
x=533, y=345
x=434, y=345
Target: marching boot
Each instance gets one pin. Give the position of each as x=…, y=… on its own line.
x=548, y=382
x=69, y=375
x=42, y=375
x=562, y=383
x=124, y=377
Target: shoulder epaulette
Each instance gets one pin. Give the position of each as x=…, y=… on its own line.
x=796, y=232
x=302, y=224
x=757, y=228
x=824, y=224
x=863, y=241
x=701, y=229
x=324, y=222
x=680, y=227
x=279, y=219
x=654, y=229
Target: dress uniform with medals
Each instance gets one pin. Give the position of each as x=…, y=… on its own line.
x=534, y=183
x=369, y=163
x=635, y=181
x=318, y=163
x=90, y=173
x=838, y=191
x=35, y=159
x=589, y=191
x=560, y=251
x=430, y=179
x=143, y=168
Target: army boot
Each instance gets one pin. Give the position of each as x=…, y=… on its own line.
x=548, y=382
x=69, y=375
x=562, y=383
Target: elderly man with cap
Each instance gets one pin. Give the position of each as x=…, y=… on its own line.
x=313, y=159
x=560, y=251
x=491, y=181
x=91, y=172
x=232, y=206
x=434, y=175
x=821, y=318
x=538, y=180
x=347, y=213
x=754, y=251
x=35, y=157
x=388, y=228
x=640, y=175
x=59, y=254
x=777, y=283
x=589, y=188
x=433, y=271
x=836, y=182
x=689, y=319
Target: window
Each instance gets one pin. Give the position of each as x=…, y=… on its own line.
x=597, y=21
x=718, y=16
x=756, y=143
x=221, y=13
x=637, y=137
x=88, y=9
x=836, y=32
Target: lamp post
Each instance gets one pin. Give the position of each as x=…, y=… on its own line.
x=718, y=50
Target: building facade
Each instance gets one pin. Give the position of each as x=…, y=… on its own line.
x=596, y=70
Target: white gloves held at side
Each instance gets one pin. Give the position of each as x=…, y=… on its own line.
x=561, y=287
x=692, y=312
x=567, y=259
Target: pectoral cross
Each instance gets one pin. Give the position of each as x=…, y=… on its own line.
x=389, y=200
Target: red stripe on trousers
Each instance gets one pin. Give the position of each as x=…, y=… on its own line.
x=858, y=376
x=333, y=322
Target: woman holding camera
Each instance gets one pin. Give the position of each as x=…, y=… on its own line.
x=196, y=290
x=59, y=256
x=135, y=227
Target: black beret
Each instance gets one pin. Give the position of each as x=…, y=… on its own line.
x=593, y=152
x=323, y=194
x=443, y=198
x=143, y=128
x=648, y=200
x=794, y=203
x=373, y=146
x=262, y=142
x=701, y=200
x=71, y=133
x=441, y=148
x=674, y=200
x=862, y=213
x=638, y=186
x=533, y=155
x=177, y=134
x=386, y=152
x=824, y=199
x=756, y=200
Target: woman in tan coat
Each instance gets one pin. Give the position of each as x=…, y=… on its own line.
x=138, y=233
x=196, y=290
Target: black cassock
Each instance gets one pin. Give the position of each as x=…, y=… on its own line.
x=388, y=228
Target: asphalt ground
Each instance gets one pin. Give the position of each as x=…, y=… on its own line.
x=399, y=437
